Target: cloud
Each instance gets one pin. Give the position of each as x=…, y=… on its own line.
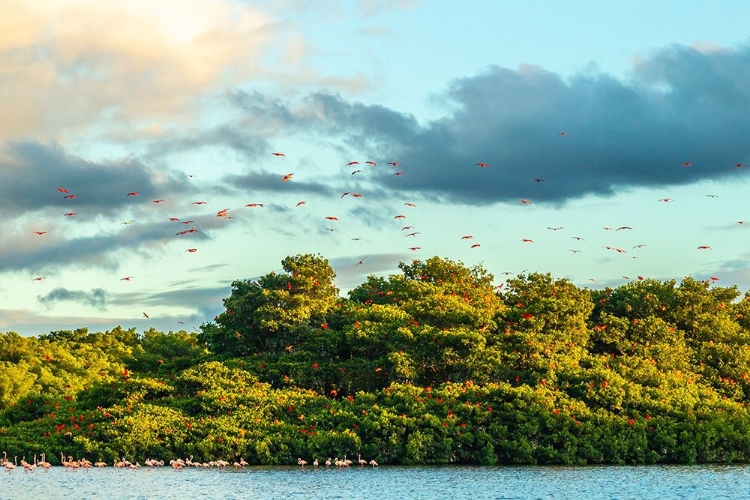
x=31, y=173
x=96, y=298
x=147, y=59
x=681, y=117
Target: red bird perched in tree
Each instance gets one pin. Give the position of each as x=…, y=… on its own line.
x=483, y=165
x=526, y=202
x=134, y=193
x=278, y=154
x=527, y=315
x=287, y=177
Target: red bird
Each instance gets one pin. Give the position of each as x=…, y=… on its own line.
x=253, y=205
x=371, y=163
x=134, y=193
x=666, y=200
x=192, y=250
x=278, y=154
x=393, y=163
x=157, y=201
x=332, y=218
x=69, y=214
x=475, y=245
x=704, y=247
x=222, y=213
x=527, y=315
x=739, y=165
x=174, y=219
x=400, y=217
x=410, y=205
x=127, y=278
x=41, y=232
x=526, y=240
x=397, y=174
x=526, y=202
x=69, y=197
x=467, y=237
x=39, y=278
x=300, y=203
x=687, y=164
x=199, y=203
x=483, y=165
x=352, y=163
x=62, y=190
x=287, y=177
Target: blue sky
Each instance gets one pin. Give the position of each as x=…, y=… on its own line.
x=595, y=112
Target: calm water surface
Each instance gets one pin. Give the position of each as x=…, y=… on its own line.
x=408, y=483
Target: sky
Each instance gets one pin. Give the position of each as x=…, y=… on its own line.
x=596, y=141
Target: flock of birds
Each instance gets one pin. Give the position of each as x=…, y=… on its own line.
x=189, y=226
x=177, y=464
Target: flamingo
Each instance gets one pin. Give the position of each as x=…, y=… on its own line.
x=328, y=462
x=254, y=205
x=301, y=462
x=373, y=463
x=362, y=462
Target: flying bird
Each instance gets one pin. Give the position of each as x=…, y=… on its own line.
x=253, y=205
x=287, y=177
x=145, y=315
x=400, y=217
x=157, y=201
x=704, y=247
x=414, y=249
x=199, y=203
x=563, y=134
x=475, y=245
x=70, y=197
x=300, y=203
x=666, y=200
x=410, y=205
x=555, y=228
x=330, y=217
x=526, y=240
x=69, y=214
x=623, y=228
x=483, y=165
x=278, y=154
x=358, y=171
x=134, y=193
x=413, y=234
x=40, y=278
x=62, y=190
x=398, y=174
x=127, y=278
x=191, y=250
x=361, y=261
x=371, y=163
x=39, y=233
x=687, y=164
x=352, y=163
x=526, y=202
x=538, y=180
x=393, y=163
x=467, y=237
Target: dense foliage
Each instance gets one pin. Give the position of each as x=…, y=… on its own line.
x=434, y=365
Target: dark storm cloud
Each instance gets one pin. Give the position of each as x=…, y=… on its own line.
x=96, y=298
x=679, y=106
x=29, y=179
x=207, y=301
x=249, y=145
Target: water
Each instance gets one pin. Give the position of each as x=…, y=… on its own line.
x=393, y=483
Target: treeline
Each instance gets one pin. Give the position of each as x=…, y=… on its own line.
x=433, y=365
